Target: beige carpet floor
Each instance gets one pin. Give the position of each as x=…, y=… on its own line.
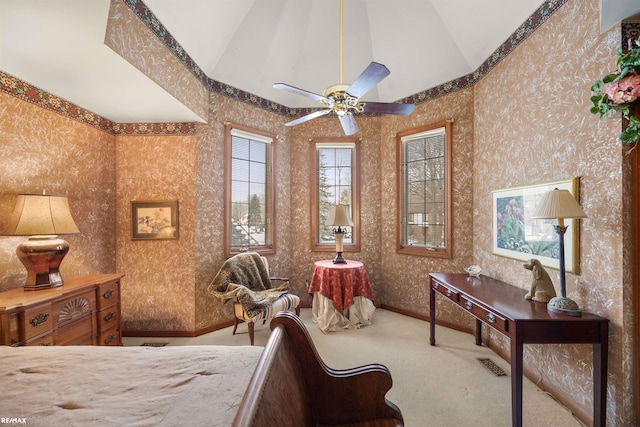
x=439, y=386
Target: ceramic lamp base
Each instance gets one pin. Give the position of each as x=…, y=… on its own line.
x=41, y=256
x=564, y=305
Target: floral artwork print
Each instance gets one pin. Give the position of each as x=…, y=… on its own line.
x=511, y=230
x=518, y=236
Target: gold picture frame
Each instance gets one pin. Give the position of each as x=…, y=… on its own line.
x=154, y=220
x=518, y=236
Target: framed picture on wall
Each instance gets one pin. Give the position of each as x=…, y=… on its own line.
x=154, y=220
x=516, y=235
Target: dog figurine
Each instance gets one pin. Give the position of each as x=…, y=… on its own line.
x=542, y=289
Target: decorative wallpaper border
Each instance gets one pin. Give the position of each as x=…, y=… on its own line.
x=534, y=21
x=20, y=89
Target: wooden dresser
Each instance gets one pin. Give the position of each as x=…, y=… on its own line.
x=84, y=311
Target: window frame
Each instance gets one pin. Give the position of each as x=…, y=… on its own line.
x=270, y=197
x=317, y=246
x=447, y=251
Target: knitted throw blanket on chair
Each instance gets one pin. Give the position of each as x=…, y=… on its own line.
x=244, y=278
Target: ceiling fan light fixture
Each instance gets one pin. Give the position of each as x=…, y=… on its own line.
x=343, y=99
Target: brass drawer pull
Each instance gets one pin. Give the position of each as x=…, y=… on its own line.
x=108, y=294
x=109, y=316
x=108, y=340
x=40, y=319
x=491, y=317
x=468, y=304
x=449, y=292
x=436, y=286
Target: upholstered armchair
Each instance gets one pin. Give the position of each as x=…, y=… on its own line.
x=257, y=296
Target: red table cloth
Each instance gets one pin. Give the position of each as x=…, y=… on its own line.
x=340, y=282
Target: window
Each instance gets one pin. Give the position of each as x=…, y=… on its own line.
x=335, y=181
x=249, y=199
x=424, y=191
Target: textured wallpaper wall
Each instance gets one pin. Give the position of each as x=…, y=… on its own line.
x=41, y=150
x=158, y=293
x=532, y=125
x=526, y=121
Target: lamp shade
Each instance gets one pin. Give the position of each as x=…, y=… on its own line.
x=339, y=216
x=39, y=214
x=558, y=204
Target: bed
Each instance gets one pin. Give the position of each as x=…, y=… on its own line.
x=285, y=384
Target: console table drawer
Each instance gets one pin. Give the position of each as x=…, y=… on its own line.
x=494, y=320
x=449, y=293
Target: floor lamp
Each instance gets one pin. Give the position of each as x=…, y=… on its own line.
x=560, y=205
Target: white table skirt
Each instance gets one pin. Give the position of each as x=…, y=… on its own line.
x=330, y=320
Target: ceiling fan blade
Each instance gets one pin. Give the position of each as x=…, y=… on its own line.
x=389, y=108
x=308, y=117
x=370, y=77
x=349, y=124
x=297, y=91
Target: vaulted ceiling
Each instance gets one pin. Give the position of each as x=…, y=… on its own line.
x=58, y=46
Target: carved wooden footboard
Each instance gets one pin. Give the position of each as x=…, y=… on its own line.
x=292, y=386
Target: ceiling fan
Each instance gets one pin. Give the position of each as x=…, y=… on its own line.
x=344, y=100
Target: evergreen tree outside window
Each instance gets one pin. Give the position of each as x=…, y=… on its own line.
x=335, y=181
x=249, y=187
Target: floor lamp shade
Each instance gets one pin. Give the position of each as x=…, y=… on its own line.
x=42, y=218
x=560, y=205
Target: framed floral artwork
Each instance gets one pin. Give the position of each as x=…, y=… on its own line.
x=518, y=236
x=154, y=220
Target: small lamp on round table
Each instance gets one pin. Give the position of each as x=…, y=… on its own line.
x=339, y=217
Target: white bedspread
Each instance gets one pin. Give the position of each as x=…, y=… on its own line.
x=125, y=386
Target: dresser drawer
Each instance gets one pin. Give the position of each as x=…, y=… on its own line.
x=80, y=332
x=108, y=317
x=69, y=309
x=110, y=337
x=37, y=320
x=108, y=294
x=445, y=291
x=46, y=340
x=488, y=317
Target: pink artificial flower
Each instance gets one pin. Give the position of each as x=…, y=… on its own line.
x=625, y=90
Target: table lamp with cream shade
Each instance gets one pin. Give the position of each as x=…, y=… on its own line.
x=560, y=205
x=340, y=217
x=42, y=217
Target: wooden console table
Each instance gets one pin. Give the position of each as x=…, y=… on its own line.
x=503, y=307
x=84, y=311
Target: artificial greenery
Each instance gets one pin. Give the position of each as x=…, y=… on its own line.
x=623, y=88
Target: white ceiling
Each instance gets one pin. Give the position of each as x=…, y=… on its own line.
x=58, y=46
